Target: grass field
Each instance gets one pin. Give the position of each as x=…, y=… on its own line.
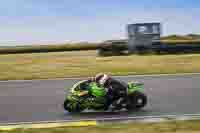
x=87, y=63
x=170, y=127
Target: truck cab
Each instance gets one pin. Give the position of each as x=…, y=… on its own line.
x=142, y=35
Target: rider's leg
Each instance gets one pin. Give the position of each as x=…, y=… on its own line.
x=118, y=87
x=119, y=90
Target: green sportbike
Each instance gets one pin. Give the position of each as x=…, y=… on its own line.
x=89, y=96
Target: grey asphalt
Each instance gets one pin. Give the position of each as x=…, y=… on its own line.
x=31, y=101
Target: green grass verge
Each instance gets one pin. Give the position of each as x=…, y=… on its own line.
x=87, y=63
x=169, y=127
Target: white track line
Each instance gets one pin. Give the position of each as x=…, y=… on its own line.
x=111, y=119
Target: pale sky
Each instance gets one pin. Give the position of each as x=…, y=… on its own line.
x=24, y=22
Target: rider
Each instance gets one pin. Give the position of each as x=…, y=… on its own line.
x=115, y=88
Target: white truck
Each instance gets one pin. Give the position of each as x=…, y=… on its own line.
x=145, y=38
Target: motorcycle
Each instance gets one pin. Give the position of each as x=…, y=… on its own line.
x=90, y=96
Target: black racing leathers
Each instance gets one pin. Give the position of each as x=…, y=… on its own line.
x=117, y=91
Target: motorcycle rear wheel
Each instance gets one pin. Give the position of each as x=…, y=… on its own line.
x=136, y=100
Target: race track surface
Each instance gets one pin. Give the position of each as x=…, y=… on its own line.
x=31, y=101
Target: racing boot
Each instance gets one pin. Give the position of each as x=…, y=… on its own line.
x=118, y=104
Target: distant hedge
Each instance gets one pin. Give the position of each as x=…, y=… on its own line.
x=47, y=48
x=79, y=46
x=182, y=37
x=181, y=41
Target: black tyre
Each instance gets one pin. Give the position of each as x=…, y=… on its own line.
x=72, y=107
x=137, y=100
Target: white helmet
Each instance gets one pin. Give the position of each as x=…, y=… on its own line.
x=101, y=78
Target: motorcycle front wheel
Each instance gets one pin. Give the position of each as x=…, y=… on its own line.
x=72, y=106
